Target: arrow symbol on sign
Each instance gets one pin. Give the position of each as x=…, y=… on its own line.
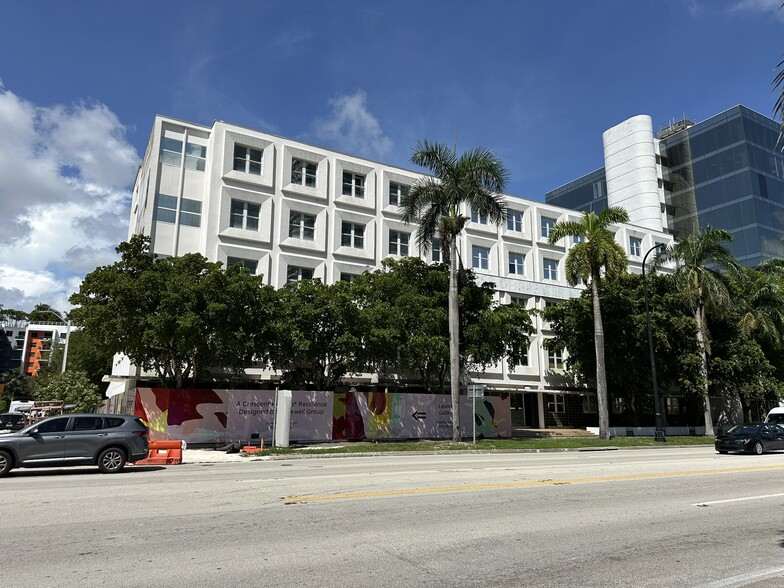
x=420, y=416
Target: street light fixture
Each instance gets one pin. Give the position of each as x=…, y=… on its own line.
x=67, y=334
x=659, y=434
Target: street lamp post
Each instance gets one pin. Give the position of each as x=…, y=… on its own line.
x=659, y=434
x=67, y=335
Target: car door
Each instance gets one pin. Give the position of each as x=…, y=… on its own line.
x=777, y=433
x=45, y=443
x=84, y=438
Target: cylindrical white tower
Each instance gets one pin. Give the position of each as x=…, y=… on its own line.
x=630, y=169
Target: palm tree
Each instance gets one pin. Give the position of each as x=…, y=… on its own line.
x=476, y=178
x=762, y=304
x=699, y=259
x=598, y=253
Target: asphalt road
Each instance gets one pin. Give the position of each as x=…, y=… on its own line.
x=653, y=517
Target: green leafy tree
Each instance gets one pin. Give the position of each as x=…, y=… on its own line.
x=10, y=314
x=85, y=354
x=44, y=313
x=318, y=334
x=623, y=314
x=73, y=387
x=476, y=178
x=597, y=256
x=699, y=259
x=177, y=316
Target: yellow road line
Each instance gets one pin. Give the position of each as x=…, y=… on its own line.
x=538, y=483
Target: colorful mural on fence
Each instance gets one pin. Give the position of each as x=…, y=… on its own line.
x=218, y=416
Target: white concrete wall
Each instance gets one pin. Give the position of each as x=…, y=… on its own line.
x=630, y=169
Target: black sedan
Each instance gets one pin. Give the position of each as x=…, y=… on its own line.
x=753, y=438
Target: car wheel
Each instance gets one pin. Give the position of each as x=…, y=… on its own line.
x=6, y=463
x=111, y=460
x=758, y=448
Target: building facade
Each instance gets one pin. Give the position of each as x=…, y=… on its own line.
x=725, y=172
x=289, y=211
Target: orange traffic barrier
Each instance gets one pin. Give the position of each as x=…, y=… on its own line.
x=253, y=448
x=163, y=453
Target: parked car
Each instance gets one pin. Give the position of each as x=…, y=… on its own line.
x=12, y=421
x=754, y=438
x=105, y=440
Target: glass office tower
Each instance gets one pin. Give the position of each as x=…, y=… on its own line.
x=726, y=172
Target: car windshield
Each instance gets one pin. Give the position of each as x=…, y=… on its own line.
x=743, y=430
x=776, y=418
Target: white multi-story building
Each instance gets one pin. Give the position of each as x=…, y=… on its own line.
x=290, y=210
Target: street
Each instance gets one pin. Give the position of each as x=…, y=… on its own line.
x=643, y=517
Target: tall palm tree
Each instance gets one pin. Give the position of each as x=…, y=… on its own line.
x=762, y=304
x=598, y=254
x=700, y=258
x=476, y=178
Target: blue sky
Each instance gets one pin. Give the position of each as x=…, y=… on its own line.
x=535, y=81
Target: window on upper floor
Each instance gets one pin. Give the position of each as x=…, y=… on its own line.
x=297, y=274
x=578, y=239
x=547, y=226
x=302, y=226
x=303, y=173
x=245, y=215
x=346, y=277
x=397, y=192
x=549, y=269
x=524, y=359
x=171, y=151
x=520, y=300
x=249, y=264
x=353, y=185
x=635, y=246
x=352, y=235
x=195, y=156
x=435, y=250
x=479, y=218
x=516, y=263
x=247, y=159
x=398, y=242
x=165, y=208
x=190, y=212
x=480, y=257
x=555, y=359
x=514, y=220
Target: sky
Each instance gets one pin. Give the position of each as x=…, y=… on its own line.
x=535, y=81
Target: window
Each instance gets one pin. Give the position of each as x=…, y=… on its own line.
x=353, y=235
x=480, y=257
x=171, y=152
x=523, y=362
x=555, y=403
x=195, y=156
x=578, y=239
x=477, y=217
x=87, y=423
x=295, y=274
x=396, y=193
x=190, y=212
x=435, y=250
x=302, y=226
x=550, y=269
x=345, y=277
x=303, y=173
x=589, y=404
x=247, y=159
x=516, y=263
x=547, y=226
x=599, y=189
x=398, y=243
x=555, y=359
x=353, y=185
x=635, y=245
x=522, y=301
x=248, y=264
x=165, y=208
x=53, y=426
x=673, y=405
x=514, y=220
x=245, y=215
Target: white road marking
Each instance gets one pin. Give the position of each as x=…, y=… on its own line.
x=738, y=499
x=745, y=579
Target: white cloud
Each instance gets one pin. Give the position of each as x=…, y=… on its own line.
x=64, y=177
x=771, y=6
x=353, y=128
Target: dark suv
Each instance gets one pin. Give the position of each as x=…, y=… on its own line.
x=105, y=440
x=12, y=421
